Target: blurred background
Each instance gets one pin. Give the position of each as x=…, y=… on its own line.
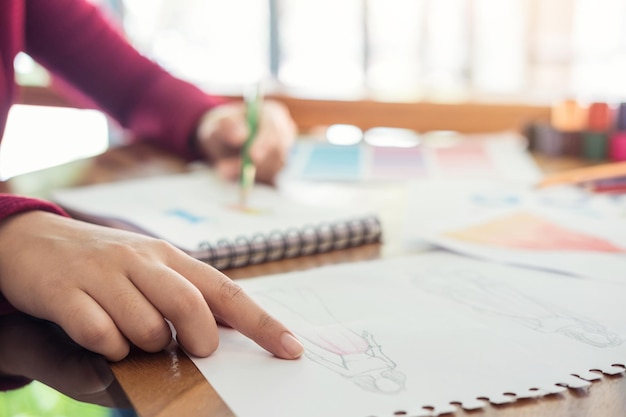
x=405, y=50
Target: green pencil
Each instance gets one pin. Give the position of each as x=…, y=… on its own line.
x=248, y=170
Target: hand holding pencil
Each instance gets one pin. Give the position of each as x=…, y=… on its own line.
x=223, y=132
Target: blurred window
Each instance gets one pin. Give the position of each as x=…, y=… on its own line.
x=443, y=50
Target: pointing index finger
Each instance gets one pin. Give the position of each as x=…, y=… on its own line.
x=230, y=303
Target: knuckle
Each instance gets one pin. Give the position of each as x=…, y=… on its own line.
x=188, y=302
x=94, y=335
x=164, y=247
x=227, y=123
x=266, y=321
x=124, y=249
x=230, y=292
x=144, y=248
x=154, y=336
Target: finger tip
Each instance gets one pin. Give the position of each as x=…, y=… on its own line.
x=199, y=350
x=116, y=356
x=292, y=347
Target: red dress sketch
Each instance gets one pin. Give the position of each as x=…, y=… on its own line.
x=354, y=354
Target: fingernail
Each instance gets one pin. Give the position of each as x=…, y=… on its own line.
x=291, y=345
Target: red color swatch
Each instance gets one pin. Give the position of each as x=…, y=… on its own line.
x=528, y=231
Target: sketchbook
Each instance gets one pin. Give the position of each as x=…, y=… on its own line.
x=200, y=214
x=420, y=336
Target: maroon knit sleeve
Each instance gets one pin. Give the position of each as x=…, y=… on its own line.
x=12, y=204
x=74, y=40
x=12, y=382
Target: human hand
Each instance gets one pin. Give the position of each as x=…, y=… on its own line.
x=108, y=288
x=40, y=350
x=223, y=130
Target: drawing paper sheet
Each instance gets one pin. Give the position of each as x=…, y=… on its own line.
x=479, y=156
x=563, y=229
x=400, y=334
x=192, y=208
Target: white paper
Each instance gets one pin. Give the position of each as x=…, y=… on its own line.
x=194, y=208
x=561, y=229
x=429, y=330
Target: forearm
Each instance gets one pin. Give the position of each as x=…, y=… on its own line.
x=74, y=41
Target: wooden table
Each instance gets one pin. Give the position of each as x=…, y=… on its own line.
x=168, y=384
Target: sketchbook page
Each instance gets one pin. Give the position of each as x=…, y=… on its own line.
x=502, y=155
x=194, y=208
x=563, y=229
x=396, y=335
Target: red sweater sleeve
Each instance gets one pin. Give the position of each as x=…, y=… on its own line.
x=12, y=204
x=75, y=41
x=9, y=382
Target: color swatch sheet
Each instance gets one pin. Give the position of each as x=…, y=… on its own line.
x=477, y=156
x=562, y=229
x=412, y=336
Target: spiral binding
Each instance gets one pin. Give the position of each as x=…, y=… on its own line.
x=291, y=243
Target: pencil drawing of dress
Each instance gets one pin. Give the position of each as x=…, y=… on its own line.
x=351, y=353
x=498, y=299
